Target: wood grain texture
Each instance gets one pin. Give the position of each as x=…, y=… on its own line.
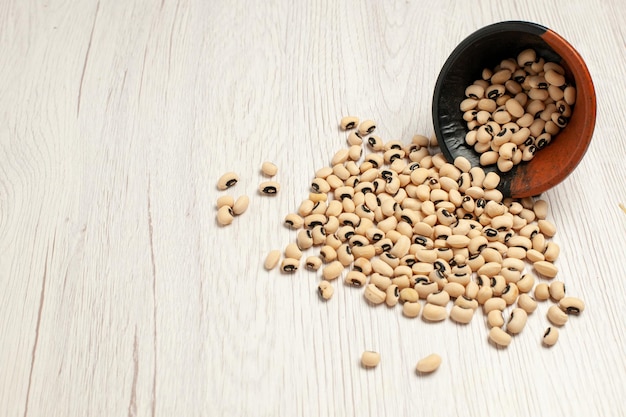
x=120, y=295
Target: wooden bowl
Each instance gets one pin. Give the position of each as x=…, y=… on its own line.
x=486, y=48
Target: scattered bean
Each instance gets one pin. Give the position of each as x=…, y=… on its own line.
x=370, y=359
x=272, y=259
x=268, y=168
x=325, y=290
x=550, y=336
x=227, y=180
x=499, y=337
x=428, y=364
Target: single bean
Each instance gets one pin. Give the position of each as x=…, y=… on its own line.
x=557, y=316
x=527, y=303
x=557, y=290
x=374, y=295
x=370, y=359
x=225, y=215
x=348, y=122
x=499, y=337
x=517, y=321
x=313, y=263
x=289, y=265
x=269, y=188
x=366, y=127
x=433, y=312
x=550, y=336
x=325, y=290
x=572, y=305
x=428, y=364
x=225, y=200
x=268, y=168
x=411, y=309
x=545, y=268
x=227, y=180
x=272, y=259
x=461, y=314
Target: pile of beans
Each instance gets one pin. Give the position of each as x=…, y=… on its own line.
x=516, y=109
x=436, y=238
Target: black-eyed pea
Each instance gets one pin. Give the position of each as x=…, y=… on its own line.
x=428, y=364
x=293, y=251
x=402, y=270
x=333, y=241
x=433, y=312
x=424, y=286
x=370, y=359
x=304, y=239
x=552, y=251
x=499, y=337
x=225, y=200
x=461, y=315
x=494, y=303
x=490, y=269
x=408, y=295
x=439, y=297
x=510, y=293
x=332, y=271
x=557, y=316
x=272, y=259
x=325, y=290
x=380, y=281
x=485, y=293
x=374, y=295
x=365, y=252
x=227, y=180
x=550, y=336
x=495, y=319
x=504, y=165
x=454, y=289
x=411, y=309
x=542, y=292
x=546, y=269
x=269, y=169
x=471, y=290
x=475, y=261
x=328, y=254
x=366, y=127
x=289, y=265
x=362, y=265
x=556, y=290
x=318, y=235
x=571, y=305
x=392, y=295
x=546, y=227
x=355, y=278
x=516, y=252
x=270, y=188
x=569, y=95
x=348, y=122
x=517, y=321
x=526, y=303
x=225, y=215
x=539, y=242
x=354, y=139
x=466, y=302
x=402, y=281
x=534, y=256
x=344, y=255
x=312, y=263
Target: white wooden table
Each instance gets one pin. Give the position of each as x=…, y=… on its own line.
x=120, y=295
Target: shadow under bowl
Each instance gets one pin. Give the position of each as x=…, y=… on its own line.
x=486, y=48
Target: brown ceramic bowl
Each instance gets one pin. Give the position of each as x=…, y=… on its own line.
x=486, y=48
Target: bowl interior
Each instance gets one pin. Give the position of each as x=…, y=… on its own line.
x=486, y=48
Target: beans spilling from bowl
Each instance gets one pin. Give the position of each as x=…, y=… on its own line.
x=516, y=109
x=406, y=227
